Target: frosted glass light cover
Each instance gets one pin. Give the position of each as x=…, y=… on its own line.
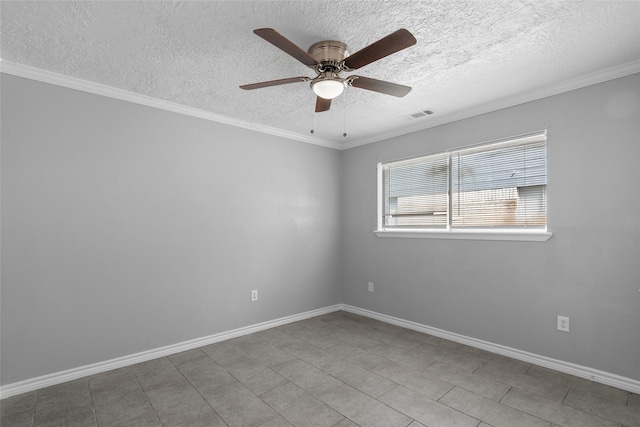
x=328, y=89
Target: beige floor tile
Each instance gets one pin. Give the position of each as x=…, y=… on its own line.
x=490, y=411
x=356, y=339
x=18, y=404
x=277, y=422
x=361, y=379
x=109, y=378
x=124, y=408
x=301, y=408
x=489, y=357
x=159, y=377
x=187, y=356
x=63, y=400
x=362, y=409
x=243, y=340
x=623, y=414
x=150, y=365
x=82, y=416
x=267, y=354
x=498, y=363
x=357, y=356
x=322, y=340
x=307, y=377
x=205, y=374
x=468, y=381
x=425, y=410
x=179, y=404
x=277, y=337
x=431, y=340
x=257, y=378
x=226, y=354
x=105, y=394
x=419, y=381
x=17, y=419
x=238, y=406
x=553, y=411
x=309, y=353
x=453, y=357
x=601, y=391
x=346, y=423
x=412, y=359
x=527, y=383
x=394, y=339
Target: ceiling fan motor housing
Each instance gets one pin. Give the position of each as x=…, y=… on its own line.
x=329, y=53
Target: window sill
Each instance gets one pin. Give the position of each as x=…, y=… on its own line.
x=509, y=235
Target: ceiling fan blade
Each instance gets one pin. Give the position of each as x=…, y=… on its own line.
x=381, y=86
x=392, y=43
x=284, y=44
x=275, y=83
x=322, y=104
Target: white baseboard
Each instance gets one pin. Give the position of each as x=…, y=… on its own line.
x=96, y=368
x=120, y=362
x=595, y=375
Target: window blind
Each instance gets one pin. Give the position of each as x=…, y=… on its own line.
x=416, y=192
x=501, y=185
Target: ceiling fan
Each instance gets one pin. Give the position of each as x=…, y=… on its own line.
x=329, y=59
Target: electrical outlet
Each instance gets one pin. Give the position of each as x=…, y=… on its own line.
x=254, y=295
x=370, y=287
x=563, y=323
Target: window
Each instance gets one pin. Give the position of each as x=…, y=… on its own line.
x=491, y=191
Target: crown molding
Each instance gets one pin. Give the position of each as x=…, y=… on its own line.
x=44, y=76
x=522, y=98
x=601, y=76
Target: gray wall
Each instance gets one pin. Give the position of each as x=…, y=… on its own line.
x=127, y=228
x=510, y=293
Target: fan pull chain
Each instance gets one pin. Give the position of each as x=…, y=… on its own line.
x=313, y=116
x=344, y=114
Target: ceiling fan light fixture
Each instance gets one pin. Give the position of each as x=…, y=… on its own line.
x=328, y=88
x=329, y=58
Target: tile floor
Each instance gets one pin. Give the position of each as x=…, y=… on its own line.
x=336, y=370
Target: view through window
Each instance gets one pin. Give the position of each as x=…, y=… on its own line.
x=498, y=185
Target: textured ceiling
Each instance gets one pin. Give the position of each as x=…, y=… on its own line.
x=469, y=53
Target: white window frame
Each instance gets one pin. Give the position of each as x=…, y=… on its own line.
x=508, y=234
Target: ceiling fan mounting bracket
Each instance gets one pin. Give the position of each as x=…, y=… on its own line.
x=350, y=80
